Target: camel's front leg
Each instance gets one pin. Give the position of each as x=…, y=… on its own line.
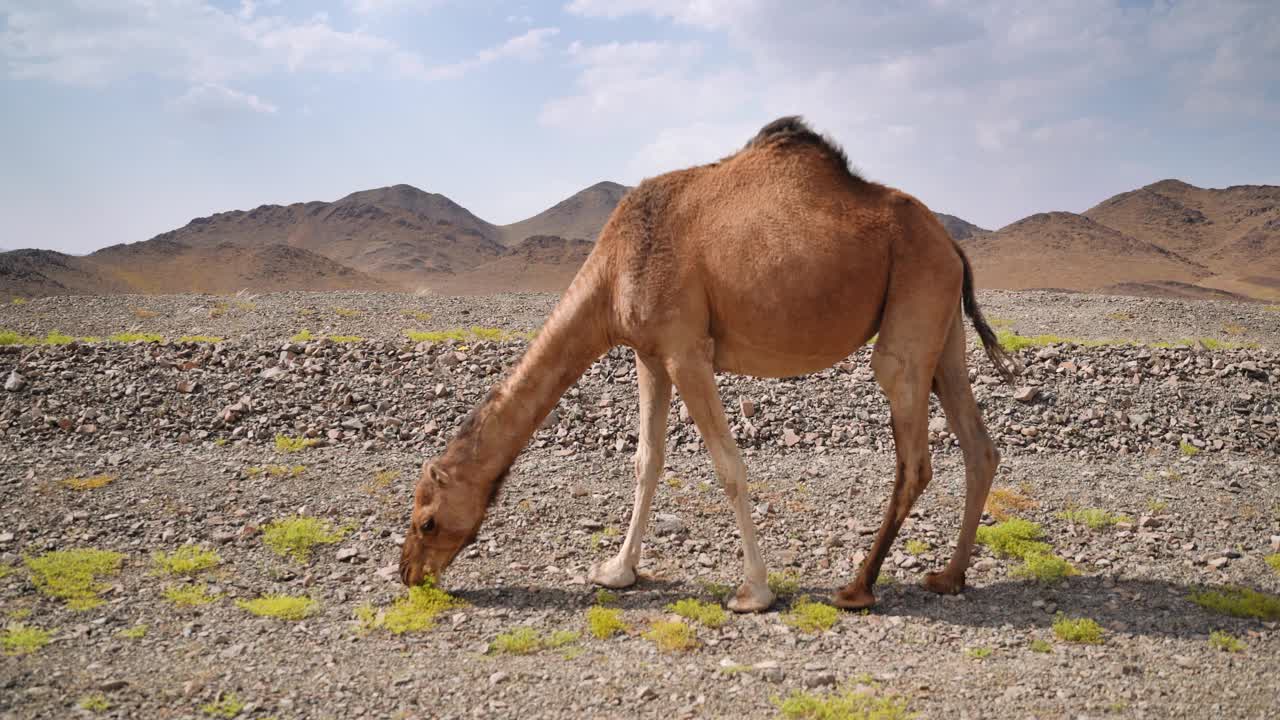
x=655, y=401
x=695, y=379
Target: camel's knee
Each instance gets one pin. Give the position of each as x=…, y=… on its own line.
x=733, y=475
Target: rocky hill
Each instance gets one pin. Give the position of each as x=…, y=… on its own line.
x=579, y=217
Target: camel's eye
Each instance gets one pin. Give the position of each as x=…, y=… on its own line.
x=429, y=525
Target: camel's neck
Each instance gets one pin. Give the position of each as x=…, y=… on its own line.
x=573, y=337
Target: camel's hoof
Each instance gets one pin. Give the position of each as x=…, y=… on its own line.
x=852, y=597
x=751, y=599
x=942, y=583
x=612, y=574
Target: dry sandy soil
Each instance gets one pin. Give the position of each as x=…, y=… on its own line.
x=181, y=428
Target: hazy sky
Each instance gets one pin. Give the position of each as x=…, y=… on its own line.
x=120, y=119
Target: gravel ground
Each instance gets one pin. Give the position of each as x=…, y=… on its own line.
x=1184, y=442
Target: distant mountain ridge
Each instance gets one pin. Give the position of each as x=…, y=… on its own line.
x=1168, y=237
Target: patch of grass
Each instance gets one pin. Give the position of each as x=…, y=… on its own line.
x=436, y=336
x=709, y=614
x=1077, y=630
x=21, y=613
x=1041, y=646
x=1225, y=642
x=71, y=574
x=19, y=301
x=1239, y=602
x=20, y=639
x=346, y=312
x=716, y=590
x=137, y=632
x=276, y=471
x=189, y=595
x=1234, y=329
x=784, y=583
x=415, y=611
x=128, y=337
x=604, y=622
x=917, y=547
x=294, y=537
x=853, y=703
x=416, y=315
x=1188, y=449
x=186, y=560
x=809, y=616
x=228, y=706
x=205, y=339
x=220, y=442
x=672, y=636
x=284, y=607
x=89, y=483
x=286, y=444
x=521, y=641
x=1014, y=538
x=560, y=638
x=6, y=570
x=94, y=703
x=1044, y=568
x=1155, y=507
x=9, y=337
x=491, y=334
x=1013, y=342
x=1119, y=316
x=303, y=336
x=606, y=597
x=674, y=482
x=346, y=338
x=1273, y=560
x=1095, y=518
x=979, y=653
x=1004, y=502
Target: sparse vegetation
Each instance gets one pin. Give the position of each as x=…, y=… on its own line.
x=1094, y=518
x=189, y=595
x=186, y=560
x=129, y=337
x=1155, y=507
x=94, y=703
x=1004, y=502
x=784, y=583
x=490, y=334
x=284, y=607
x=201, y=339
x=20, y=639
x=1225, y=642
x=858, y=702
x=295, y=537
x=143, y=313
x=346, y=312
x=1234, y=329
x=276, y=471
x=715, y=590
x=1119, y=316
x=521, y=641
x=1077, y=630
x=1014, y=538
x=1188, y=449
x=19, y=301
x=9, y=337
x=415, y=611
x=1041, y=646
x=70, y=575
x=672, y=636
x=809, y=616
x=286, y=444
x=606, y=597
x=1044, y=568
x=917, y=547
x=5, y=570
x=604, y=622
x=228, y=706
x=709, y=614
x=978, y=653
x=1239, y=602
x=303, y=336
x=419, y=315
x=89, y=483
x=1273, y=560
x=137, y=632
x=346, y=338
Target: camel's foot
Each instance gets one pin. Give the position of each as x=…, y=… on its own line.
x=751, y=598
x=854, y=597
x=614, y=573
x=943, y=582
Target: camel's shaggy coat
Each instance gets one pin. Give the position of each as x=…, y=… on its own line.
x=776, y=261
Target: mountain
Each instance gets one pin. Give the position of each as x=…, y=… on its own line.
x=580, y=216
x=1068, y=251
x=542, y=263
x=960, y=229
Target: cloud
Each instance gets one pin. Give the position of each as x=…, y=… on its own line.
x=215, y=101
x=526, y=47
x=382, y=7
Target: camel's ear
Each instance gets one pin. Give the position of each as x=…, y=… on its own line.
x=438, y=476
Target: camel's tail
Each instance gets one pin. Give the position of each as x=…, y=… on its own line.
x=1005, y=364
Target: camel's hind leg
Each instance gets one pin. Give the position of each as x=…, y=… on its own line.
x=911, y=338
x=694, y=377
x=655, y=403
x=951, y=383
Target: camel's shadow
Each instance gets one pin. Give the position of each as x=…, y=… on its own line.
x=1139, y=607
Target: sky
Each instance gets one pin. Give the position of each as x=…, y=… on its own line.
x=121, y=119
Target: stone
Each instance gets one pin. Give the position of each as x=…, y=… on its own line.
x=186, y=386
x=789, y=437
x=272, y=373
x=499, y=677
x=938, y=424
x=748, y=408
x=1026, y=394
x=1219, y=562
x=347, y=554
x=15, y=382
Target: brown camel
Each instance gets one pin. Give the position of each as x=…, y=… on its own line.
x=774, y=262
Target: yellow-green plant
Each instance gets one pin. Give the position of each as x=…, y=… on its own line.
x=284, y=607
x=809, y=616
x=858, y=702
x=227, y=707
x=1225, y=642
x=286, y=444
x=709, y=614
x=71, y=575
x=189, y=595
x=415, y=611
x=295, y=537
x=672, y=636
x=89, y=483
x=1077, y=630
x=20, y=639
x=1239, y=602
x=604, y=622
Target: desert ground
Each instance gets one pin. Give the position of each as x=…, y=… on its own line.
x=1142, y=439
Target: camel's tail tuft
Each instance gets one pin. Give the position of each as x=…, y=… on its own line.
x=1005, y=364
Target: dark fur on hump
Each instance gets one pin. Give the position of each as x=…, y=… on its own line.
x=792, y=130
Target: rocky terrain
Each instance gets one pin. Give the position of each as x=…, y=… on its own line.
x=1180, y=444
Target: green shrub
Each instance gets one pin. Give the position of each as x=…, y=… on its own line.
x=1077, y=630
x=1239, y=602
x=228, y=706
x=809, y=616
x=784, y=583
x=855, y=703
x=1273, y=560
x=284, y=607
x=1014, y=538
x=94, y=703
x=1094, y=518
x=917, y=547
x=20, y=639
x=294, y=537
x=709, y=614
x=1224, y=642
x=415, y=611
x=1188, y=449
x=286, y=444
x=672, y=636
x=1041, y=646
x=521, y=641
x=186, y=560
x=189, y=595
x=71, y=574
x=1047, y=569
x=604, y=623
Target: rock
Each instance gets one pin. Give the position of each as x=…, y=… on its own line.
x=646, y=693
x=938, y=424
x=821, y=679
x=1026, y=394
x=789, y=437
x=1218, y=563
x=499, y=677
x=347, y=554
x=748, y=408
x=186, y=386
x=15, y=382
x=272, y=373
x=668, y=524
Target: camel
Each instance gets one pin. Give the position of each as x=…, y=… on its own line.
x=776, y=261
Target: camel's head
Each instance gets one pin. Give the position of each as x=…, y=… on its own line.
x=447, y=512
